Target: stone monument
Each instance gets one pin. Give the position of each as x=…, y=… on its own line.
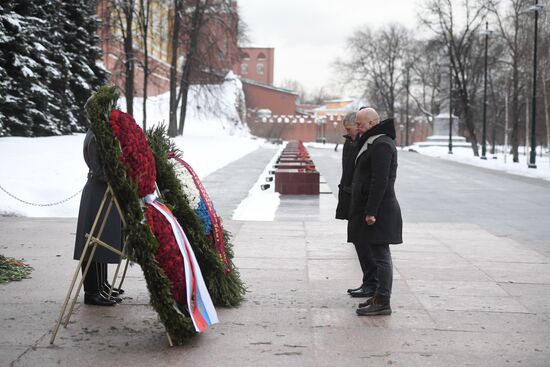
x=440, y=132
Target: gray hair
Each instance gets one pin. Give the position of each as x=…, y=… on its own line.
x=349, y=118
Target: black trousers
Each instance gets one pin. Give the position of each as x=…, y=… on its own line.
x=368, y=267
x=381, y=256
x=95, y=278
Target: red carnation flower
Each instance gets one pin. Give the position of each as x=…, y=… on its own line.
x=136, y=154
x=168, y=254
x=140, y=167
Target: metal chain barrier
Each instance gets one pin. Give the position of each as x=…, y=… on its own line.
x=36, y=204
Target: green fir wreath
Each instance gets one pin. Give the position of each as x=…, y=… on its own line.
x=140, y=240
x=225, y=288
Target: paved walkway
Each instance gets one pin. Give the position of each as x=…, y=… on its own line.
x=228, y=186
x=434, y=190
x=463, y=295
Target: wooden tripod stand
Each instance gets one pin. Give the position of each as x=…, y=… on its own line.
x=92, y=241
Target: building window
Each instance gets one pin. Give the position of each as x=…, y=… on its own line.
x=260, y=69
x=244, y=69
x=245, y=56
x=261, y=56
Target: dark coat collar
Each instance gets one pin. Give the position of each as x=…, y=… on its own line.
x=348, y=137
x=385, y=127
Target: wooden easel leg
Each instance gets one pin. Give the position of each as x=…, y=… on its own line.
x=118, y=208
x=113, y=285
x=124, y=273
x=169, y=339
x=69, y=292
x=88, y=263
x=114, y=279
x=71, y=287
x=100, y=232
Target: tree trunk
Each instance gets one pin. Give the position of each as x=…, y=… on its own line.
x=468, y=114
x=129, y=65
x=546, y=110
x=190, y=60
x=514, y=137
x=494, y=137
x=469, y=121
x=184, y=93
x=145, y=85
x=145, y=11
x=173, y=122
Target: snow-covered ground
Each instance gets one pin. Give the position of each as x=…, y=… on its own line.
x=466, y=156
x=261, y=205
x=50, y=169
x=494, y=162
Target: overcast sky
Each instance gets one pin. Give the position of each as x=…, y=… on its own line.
x=309, y=34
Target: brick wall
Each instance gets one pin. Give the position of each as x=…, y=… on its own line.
x=293, y=127
x=158, y=82
x=278, y=101
x=418, y=131
x=251, y=57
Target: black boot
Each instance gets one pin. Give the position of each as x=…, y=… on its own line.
x=363, y=292
x=105, y=294
x=350, y=290
x=379, y=306
x=115, y=292
x=370, y=301
x=97, y=299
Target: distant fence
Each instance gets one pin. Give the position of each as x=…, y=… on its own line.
x=329, y=129
x=298, y=127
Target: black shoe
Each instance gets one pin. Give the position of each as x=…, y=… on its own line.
x=370, y=301
x=355, y=289
x=105, y=295
x=379, y=306
x=97, y=299
x=106, y=290
x=362, y=293
x=118, y=291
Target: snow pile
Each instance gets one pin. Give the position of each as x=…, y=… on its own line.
x=321, y=145
x=261, y=205
x=212, y=110
x=496, y=162
x=50, y=169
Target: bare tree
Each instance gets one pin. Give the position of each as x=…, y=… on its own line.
x=209, y=44
x=512, y=30
x=319, y=95
x=172, y=119
x=195, y=23
x=143, y=21
x=376, y=63
x=124, y=19
x=545, y=73
x=425, y=59
x=295, y=86
x=439, y=17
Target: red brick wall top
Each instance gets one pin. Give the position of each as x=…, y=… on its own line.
x=256, y=64
x=278, y=101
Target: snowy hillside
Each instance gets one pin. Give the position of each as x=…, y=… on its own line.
x=50, y=169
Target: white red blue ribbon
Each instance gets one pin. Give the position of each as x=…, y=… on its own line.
x=201, y=308
x=217, y=229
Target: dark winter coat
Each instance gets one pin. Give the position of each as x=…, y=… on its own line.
x=344, y=188
x=373, y=190
x=92, y=195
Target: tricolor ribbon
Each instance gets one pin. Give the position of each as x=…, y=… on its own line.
x=217, y=231
x=201, y=308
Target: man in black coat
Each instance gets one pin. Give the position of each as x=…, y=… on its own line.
x=95, y=283
x=368, y=283
x=375, y=216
